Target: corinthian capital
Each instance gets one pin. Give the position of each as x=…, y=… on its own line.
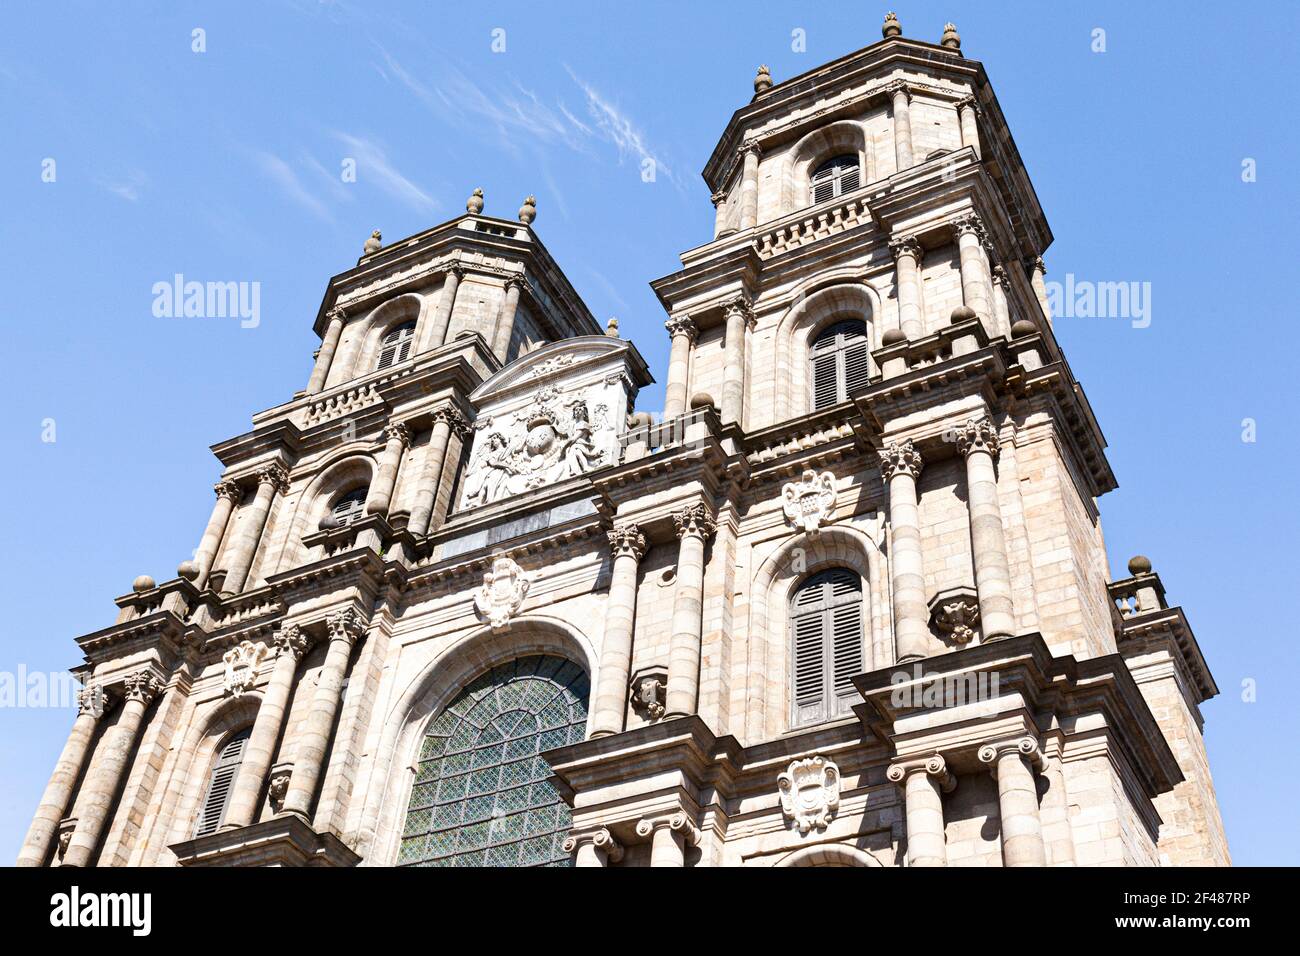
x=398, y=431
x=142, y=687
x=345, y=625
x=228, y=489
x=291, y=639
x=900, y=458
x=681, y=325
x=454, y=419
x=750, y=146
x=906, y=246
x=694, y=520
x=274, y=475
x=600, y=838
x=899, y=86
x=977, y=435
x=627, y=539
x=338, y=312
x=970, y=224
x=92, y=699
x=741, y=306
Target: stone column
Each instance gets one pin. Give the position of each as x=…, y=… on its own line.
x=506, y=323
x=228, y=495
x=328, y=346
x=381, y=489
x=1001, y=306
x=694, y=525
x=976, y=281
x=719, y=213
x=907, y=259
x=248, y=532
x=1037, y=274
x=291, y=644
x=594, y=847
x=901, y=465
x=683, y=332
x=900, y=98
x=446, y=303
x=739, y=317
x=978, y=442
x=750, y=153
x=627, y=544
x=91, y=702
x=313, y=739
x=105, y=775
x=445, y=420
x=967, y=111
x=1022, y=831
x=669, y=837
x=924, y=781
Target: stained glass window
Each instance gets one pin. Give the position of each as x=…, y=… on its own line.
x=480, y=796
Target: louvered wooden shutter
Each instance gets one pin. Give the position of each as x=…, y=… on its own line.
x=348, y=508
x=396, y=345
x=221, y=783
x=841, y=363
x=835, y=177
x=826, y=644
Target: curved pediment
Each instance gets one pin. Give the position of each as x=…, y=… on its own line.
x=555, y=361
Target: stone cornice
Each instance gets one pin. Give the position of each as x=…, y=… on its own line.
x=1168, y=627
x=474, y=243
x=1038, y=688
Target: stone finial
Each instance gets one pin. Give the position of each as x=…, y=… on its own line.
x=143, y=583
x=951, y=38
x=611, y=328
x=963, y=313
x=891, y=28
x=374, y=243
x=1139, y=564
x=893, y=337
x=763, y=79
x=189, y=570
x=1022, y=327
x=703, y=400
x=475, y=203
x=528, y=211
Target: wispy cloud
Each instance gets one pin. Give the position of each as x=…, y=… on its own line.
x=127, y=187
x=374, y=166
x=516, y=117
x=285, y=177
x=618, y=128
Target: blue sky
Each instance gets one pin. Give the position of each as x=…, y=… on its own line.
x=225, y=166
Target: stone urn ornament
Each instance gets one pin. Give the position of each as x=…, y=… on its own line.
x=763, y=80
x=475, y=204
x=891, y=28
x=374, y=243
x=528, y=211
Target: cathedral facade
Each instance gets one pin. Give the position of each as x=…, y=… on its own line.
x=844, y=600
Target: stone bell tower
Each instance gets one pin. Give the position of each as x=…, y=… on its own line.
x=867, y=346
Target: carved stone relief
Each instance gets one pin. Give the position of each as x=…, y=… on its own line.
x=810, y=792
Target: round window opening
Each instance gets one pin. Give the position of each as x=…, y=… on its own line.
x=480, y=796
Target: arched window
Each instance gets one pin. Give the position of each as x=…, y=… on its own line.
x=350, y=507
x=396, y=345
x=835, y=177
x=840, y=363
x=826, y=645
x=221, y=783
x=481, y=796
